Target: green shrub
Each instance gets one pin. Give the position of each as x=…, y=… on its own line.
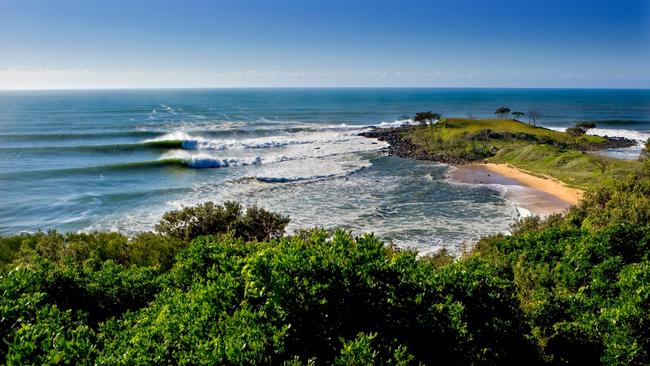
x=362, y=351
x=143, y=249
x=570, y=289
x=624, y=201
x=9, y=248
x=210, y=219
x=51, y=337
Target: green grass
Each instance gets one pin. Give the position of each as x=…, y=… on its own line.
x=535, y=149
x=575, y=168
x=451, y=128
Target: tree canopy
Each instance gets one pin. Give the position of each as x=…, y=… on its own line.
x=518, y=115
x=586, y=125
x=426, y=117
x=210, y=219
x=502, y=112
x=580, y=129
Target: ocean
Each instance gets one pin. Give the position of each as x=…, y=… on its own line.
x=118, y=159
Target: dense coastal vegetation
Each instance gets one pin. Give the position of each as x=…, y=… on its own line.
x=218, y=284
x=568, y=289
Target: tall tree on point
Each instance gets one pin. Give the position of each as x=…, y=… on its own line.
x=518, y=115
x=502, y=112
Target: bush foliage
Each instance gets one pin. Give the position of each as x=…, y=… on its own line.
x=210, y=219
x=216, y=285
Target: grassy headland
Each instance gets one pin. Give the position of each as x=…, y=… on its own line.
x=568, y=158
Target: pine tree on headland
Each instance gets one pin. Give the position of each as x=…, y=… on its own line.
x=502, y=112
x=518, y=115
x=426, y=117
x=579, y=130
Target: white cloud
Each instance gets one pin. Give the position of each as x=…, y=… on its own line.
x=14, y=78
x=570, y=75
x=72, y=78
x=77, y=78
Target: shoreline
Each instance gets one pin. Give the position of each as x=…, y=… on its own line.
x=545, y=184
x=536, y=195
x=403, y=147
x=530, y=193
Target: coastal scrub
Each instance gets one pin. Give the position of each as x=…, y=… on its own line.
x=568, y=289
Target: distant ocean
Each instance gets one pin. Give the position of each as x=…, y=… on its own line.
x=117, y=160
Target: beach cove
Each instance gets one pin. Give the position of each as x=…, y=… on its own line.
x=532, y=195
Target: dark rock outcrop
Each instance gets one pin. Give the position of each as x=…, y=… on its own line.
x=403, y=147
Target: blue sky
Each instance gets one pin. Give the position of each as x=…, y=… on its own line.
x=241, y=43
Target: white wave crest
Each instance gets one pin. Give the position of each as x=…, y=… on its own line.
x=200, y=143
x=171, y=136
x=262, y=143
x=201, y=161
x=398, y=123
x=640, y=136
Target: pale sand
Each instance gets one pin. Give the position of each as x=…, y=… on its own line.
x=540, y=196
x=546, y=184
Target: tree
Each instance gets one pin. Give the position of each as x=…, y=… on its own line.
x=517, y=115
x=426, y=117
x=211, y=219
x=502, y=112
x=576, y=132
x=580, y=129
x=533, y=116
x=586, y=125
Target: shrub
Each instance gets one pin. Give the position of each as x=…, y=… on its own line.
x=362, y=351
x=210, y=219
x=9, y=248
x=143, y=249
x=502, y=112
x=260, y=224
x=576, y=131
x=426, y=117
x=51, y=337
x=561, y=290
x=586, y=125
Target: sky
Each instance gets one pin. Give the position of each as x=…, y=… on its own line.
x=72, y=44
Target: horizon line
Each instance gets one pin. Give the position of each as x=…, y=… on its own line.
x=318, y=87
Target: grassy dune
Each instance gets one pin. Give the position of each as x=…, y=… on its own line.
x=575, y=168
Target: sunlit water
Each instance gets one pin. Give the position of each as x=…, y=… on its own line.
x=116, y=160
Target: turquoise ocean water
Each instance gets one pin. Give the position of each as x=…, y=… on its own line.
x=116, y=160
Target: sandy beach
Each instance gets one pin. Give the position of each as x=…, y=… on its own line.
x=537, y=195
